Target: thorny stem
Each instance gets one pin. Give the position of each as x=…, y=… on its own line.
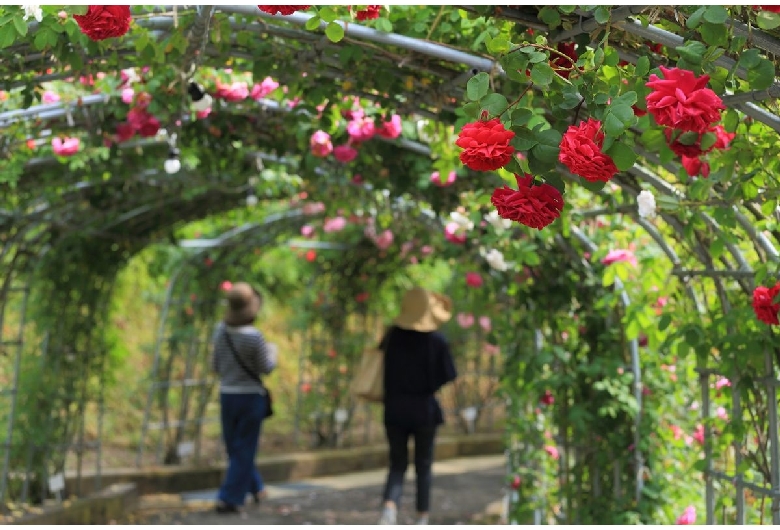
x=516, y=101
x=435, y=22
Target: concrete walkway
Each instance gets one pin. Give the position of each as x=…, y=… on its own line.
x=462, y=489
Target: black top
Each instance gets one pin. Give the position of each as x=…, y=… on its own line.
x=417, y=365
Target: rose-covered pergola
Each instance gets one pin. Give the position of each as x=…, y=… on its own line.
x=618, y=163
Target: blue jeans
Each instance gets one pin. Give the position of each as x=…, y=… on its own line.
x=242, y=416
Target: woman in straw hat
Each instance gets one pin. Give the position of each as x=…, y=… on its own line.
x=240, y=356
x=418, y=363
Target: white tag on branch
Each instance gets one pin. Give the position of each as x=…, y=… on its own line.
x=185, y=449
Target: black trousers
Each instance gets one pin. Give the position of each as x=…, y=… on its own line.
x=398, y=439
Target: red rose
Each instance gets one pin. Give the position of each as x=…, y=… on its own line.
x=104, y=22
x=485, y=144
x=284, y=10
x=150, y=127
x=693, y=150
x=764, y=304
x=124, y=131
x=638, y=112
x=370, y=12
x=723, y=138
x=681, y=100
x=694, y=166
x=563, y=66
x=771, y=9
x=534, y=206
x=581, y=152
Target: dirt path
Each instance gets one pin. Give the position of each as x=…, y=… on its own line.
x=462, y=490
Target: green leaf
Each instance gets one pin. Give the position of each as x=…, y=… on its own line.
x=762, y=76
x=695, y=19
x=7, y=35
x=594, y=187
x=498, y=45
x=477, y=87
x=627, y=99
x=716, y=14
x=714, y=34
x=601, y=14
x=750, y=58
x=494, y=104
x=767, y=20
x=524, y=139
x=623, y=156
x=708, y=140
x=693, y=52
x=549, y=137
x=334, y=32
x=546, y=153
x=613, y=126
x=327, y=14
x=653, y=139
x=550, y=16
x=78, y=10
x=664, y=322
x=383, y=24
x=20, y=25
x=313, y=23
x=642, y=66
x=542, y=74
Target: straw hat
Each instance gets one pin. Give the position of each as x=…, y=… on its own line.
x=423, y=310
x=243, y=305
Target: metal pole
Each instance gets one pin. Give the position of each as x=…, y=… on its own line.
x=774, y=439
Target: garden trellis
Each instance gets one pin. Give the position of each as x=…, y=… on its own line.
x=70, y=222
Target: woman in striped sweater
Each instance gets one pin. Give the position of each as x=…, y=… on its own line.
x=240, y=357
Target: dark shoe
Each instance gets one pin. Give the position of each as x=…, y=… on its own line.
x=225, y=508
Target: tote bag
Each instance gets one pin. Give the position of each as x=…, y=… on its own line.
x=368, y=384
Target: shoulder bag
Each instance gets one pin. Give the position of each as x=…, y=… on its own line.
x=269, y=410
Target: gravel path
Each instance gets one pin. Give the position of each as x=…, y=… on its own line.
x=462, y=491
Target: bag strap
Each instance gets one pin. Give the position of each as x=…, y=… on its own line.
x=233, y=350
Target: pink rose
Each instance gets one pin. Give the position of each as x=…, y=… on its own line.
x=619, y=255
x=484, y=322
x=320, y=144
x=336, y=224
x=307, y=230
x=50, y=97
x=384, y=240
x=552, y=451
x=465, y=320
x=473, y=279
x=234, y=92
x=361, y=129
x=436, y=179
x=127, y=95
x=345, y=153
x=391, y=129
x=261, y=90
x=688, y=516
x=66, y=147
x=453, y=234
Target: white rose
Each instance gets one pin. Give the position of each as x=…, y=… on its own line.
x=32, y=10
x=497, y=222
x=495, y=259
x=463, y=221
x=645, y=202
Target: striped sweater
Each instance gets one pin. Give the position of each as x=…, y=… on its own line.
x=258, y=356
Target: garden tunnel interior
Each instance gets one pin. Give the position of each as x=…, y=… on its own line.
x=65, y=243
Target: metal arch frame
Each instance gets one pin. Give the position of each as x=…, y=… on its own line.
x=705, y=373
